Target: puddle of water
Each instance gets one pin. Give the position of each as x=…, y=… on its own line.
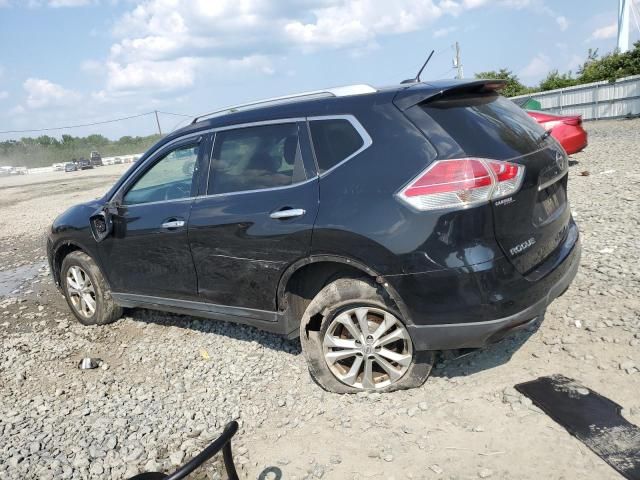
x=12, y=279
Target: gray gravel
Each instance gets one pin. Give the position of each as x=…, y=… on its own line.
x=170, y=383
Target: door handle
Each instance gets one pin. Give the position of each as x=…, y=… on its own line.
x=171, y=224
x=288, y=213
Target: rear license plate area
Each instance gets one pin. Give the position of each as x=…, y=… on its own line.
x=550, y=203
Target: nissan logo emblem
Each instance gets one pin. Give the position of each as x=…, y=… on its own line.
x=561, y=161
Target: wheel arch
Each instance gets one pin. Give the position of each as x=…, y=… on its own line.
x=60, y=251
x=303, y=279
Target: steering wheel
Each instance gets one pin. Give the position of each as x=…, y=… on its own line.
x=177, y=190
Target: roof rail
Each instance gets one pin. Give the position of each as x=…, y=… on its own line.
x=328, y=92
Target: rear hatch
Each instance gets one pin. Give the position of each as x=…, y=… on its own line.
x=530, y=224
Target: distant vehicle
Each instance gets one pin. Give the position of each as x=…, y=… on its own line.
x=96, y=159
x=58, y=167
x=117, y=161
x=6, y=171
x=70, y=167
x=84, y=164
x=567, y=129
x=378, y=225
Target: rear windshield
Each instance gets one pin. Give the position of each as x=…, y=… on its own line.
x=486, y=125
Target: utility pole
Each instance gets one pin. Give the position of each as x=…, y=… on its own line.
x=158, y=122
x=457, y=63
x=624, y=13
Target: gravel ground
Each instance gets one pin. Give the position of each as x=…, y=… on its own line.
x=169, y=383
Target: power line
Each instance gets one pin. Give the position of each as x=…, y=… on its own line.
x=91, y=124
x=446, y=71
x=176, y=114
x=77, y=126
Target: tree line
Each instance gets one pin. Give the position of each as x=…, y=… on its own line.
x=44, y=150
x=610, y=67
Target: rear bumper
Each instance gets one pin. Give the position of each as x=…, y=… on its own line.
x=533, y=296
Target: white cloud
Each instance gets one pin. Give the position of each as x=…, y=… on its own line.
x=43, y=93
x=4, y=94
x=159, y=76
x=538, y=66
x=174, y=41
x=608, y=31
x=156, y=34
x=443, y=32
x=562, y=22
x=360, y=22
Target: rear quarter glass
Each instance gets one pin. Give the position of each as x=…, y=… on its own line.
x=482, y=125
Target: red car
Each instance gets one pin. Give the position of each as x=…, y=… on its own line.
x=567, y=129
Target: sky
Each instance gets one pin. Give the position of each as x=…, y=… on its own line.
x=69, y=62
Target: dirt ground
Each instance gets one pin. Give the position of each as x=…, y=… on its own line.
x=171, y=382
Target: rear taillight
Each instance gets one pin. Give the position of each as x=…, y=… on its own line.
x=461, y=183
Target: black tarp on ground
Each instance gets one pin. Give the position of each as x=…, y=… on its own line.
x=591, y=418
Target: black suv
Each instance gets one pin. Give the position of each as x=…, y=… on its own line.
x=378, y=225
x=84, y=164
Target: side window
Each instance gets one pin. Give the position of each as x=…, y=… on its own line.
x=170, y=178
x=253, y=158
x=333, y=141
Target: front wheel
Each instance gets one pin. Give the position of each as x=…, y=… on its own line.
x=86, y=290
x=353, y=341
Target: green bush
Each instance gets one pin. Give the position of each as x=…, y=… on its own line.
x=514, y=86
x=611, y=67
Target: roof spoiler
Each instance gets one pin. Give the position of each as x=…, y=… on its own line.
x=421, y=92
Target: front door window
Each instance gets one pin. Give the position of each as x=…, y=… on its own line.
x=171, y=178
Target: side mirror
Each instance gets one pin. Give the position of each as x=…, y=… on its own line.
x=101, y=225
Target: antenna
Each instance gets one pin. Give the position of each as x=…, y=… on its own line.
x=417, y=77
x=624, y=14
x=457, y=62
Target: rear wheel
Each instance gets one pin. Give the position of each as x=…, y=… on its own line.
x=86, y=290
x=354, y=341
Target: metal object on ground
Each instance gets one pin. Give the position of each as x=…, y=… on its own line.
x=591, y=418
x=367, y=347
x=89, y=363
x=223, y=442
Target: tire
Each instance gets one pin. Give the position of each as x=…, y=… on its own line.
x=82, y=281
x=323, y=331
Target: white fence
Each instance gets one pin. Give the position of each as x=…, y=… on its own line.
x=594, y=101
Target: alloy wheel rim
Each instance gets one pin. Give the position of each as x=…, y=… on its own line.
x=367, y=348
x=81, y=292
